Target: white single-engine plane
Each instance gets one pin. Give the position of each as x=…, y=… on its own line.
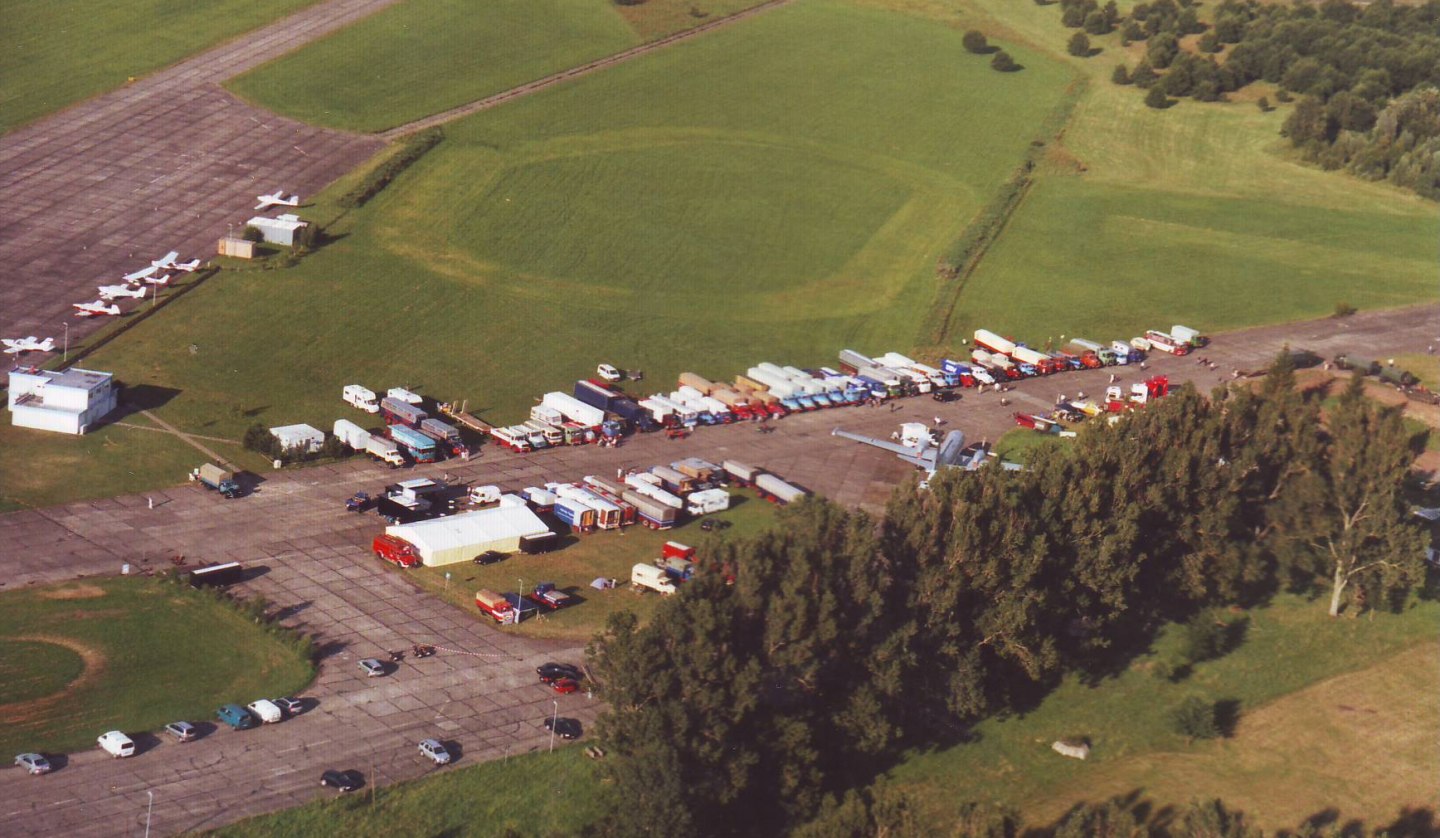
x=30, y=344
x=95, y=309
x=276, y=199
x=169, y=261
x=115, y=292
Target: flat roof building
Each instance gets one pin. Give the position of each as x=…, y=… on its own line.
x=278, y=230
x=69, y=402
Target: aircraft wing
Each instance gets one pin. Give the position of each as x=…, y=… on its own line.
x=140, y=274
x=905, y=451
x=925, y=460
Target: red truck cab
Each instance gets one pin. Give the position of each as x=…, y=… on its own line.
x=395, y=550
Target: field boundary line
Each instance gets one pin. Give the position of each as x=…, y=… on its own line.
x=188, y=440
x=574, y=72
x=990, y=222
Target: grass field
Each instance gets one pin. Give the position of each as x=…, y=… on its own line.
x=1194, y=214
x=58, y=52
x=608, y=555
x=425, y=56
x=778, y=189
x=132, y=654
x=1290, y=650
x=536, y=794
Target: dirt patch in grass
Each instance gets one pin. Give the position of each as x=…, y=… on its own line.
x=20, y=712
x=74, y=592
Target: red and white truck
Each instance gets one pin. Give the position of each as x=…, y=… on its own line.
x=496, y=605
x=395, y=550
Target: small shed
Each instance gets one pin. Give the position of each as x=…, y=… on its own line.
x=69, y=402
x=282, y=229
x=460, y=538
x=301, y=437
x=236, y=247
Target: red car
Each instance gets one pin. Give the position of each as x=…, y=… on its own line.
x=565, y=685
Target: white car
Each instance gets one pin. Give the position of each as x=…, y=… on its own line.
x=117, y=744
x=432, y=750
x=372, y=667
x=266, y=711
x=608, y=372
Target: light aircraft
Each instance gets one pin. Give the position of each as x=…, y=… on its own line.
x=30, y=344
x=158, y=280
x=276, y=199
x=140, y=274
x=950, y=453
x=112, y=292
x=169, y=261
x=95, y=309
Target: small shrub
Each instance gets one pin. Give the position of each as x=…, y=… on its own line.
x=1344, y=309
x=1156, y=98
x=1206, y=637
x=1079, y=45
x=1283, y=95
x=1195, y=719
x=1263, y=104
x=974, y=41
x=1121, y=75
x=1002, y=62
x=252, y=233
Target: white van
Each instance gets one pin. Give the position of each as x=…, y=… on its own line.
x=361, y=397
x=117, y=744
x=652, y=577
x=401, y=394
x=266, y=710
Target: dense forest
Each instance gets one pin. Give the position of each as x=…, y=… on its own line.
x=1368, y=73
x=768, y=694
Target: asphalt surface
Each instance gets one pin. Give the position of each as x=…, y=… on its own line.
x=168, y=162
x=480, y=692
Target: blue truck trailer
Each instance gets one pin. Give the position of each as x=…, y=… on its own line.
x=418, y=446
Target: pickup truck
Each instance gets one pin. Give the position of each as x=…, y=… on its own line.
x=551, y=597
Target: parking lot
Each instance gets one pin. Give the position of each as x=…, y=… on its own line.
x=480, y=692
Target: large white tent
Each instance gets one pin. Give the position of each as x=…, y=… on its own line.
x=460, y=538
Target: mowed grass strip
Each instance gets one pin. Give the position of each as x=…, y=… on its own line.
x=58, y=52
x=1198, y=214
x=425, y=56
x=532, y=794
x=1288, y=647
x=153, y=653
x=779, y=189
x=601, y=555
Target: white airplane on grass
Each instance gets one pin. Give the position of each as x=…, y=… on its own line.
x=168, y=261
x=95, y=309
x=114, y=292
x=276, y=199
x=952, y=452
x=30, y=344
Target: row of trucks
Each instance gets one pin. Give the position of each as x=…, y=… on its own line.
x=514, y=607
x=1116, y=400
x=411, y=434
x=1001, y=357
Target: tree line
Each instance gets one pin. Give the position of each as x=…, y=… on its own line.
x=762, y=705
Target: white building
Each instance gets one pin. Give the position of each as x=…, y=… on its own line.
x=278, y=230
x=299, y=437
x=460, y=538
x=70, y=402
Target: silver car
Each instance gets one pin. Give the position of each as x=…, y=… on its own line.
x=372, y=667
x=38, y=764
x=182, y=731
x=432, y=750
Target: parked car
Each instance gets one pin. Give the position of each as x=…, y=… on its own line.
x=550, y=671
x=182, y=731
x=236, y=716
x=608, y=372
x=266, y=711
x=291, y=706
x=33, y=763
x=372, y=667
x=563, y=727
x=490, y=557
x=117, y=744
x=342, y=780
x=432, y=750
x=564, y=685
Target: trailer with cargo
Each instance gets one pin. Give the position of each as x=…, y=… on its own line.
x=469, y=420
x=361, y=397
x=674, y=481
x=778, y=384
x=650, y=512
x=574, y=409
x=1043, y=363
x=702, y=470
x=1087, y=357
x=608, y=516
x=549, y=596
x=351, y=434
x=575, y=514
x=596, y=394
x=1188, y=335
x=1355, y=363
x=852, y=362
x=396, y=412
x=447, y=435
x=916, y=381
x=1125, y=353
x=221, y=480
x=542, y=500
x=739, y=473
x=417, y=446
x=224, y=573
x=772, y=488
x=652, y=487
